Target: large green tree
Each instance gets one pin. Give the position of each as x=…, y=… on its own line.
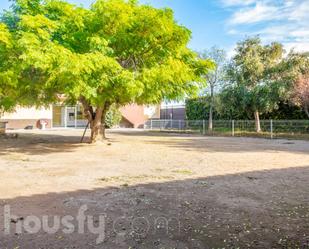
x=257, y=78
x=7, y=79
x=115, y=52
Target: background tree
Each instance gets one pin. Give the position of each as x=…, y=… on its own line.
x=116, y=52
x=255, y=77
x=199, y=108
x=214, y=77
x=301, y=92
x=113, y=117
x=297, y=66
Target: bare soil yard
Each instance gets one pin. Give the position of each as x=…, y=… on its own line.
x=154, y=190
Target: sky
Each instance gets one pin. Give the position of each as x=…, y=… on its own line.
x=222, y=23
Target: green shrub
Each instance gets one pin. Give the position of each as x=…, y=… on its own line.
x=113, y=117
x=198, y=108
x=228, y=107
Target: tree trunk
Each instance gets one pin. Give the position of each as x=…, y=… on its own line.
x=97, y=125
x=306, y=108
x=257, y=121
x=96, y=120
x=97, y=128
x=210, y=121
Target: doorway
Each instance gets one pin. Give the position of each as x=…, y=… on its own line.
x=68, y=117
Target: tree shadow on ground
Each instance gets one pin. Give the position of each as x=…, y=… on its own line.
x=150, y=133
x=44, y=143
x=195, y=142
x=36, y=144
x=261, y=209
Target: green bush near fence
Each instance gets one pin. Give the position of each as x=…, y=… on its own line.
x=113, y=117
x=288, y=129
x=198, y=109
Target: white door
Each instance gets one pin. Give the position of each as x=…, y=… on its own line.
x=71, y=118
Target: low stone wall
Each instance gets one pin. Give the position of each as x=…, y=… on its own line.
x=23, y=123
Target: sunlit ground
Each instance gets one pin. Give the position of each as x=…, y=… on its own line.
x=224, y=192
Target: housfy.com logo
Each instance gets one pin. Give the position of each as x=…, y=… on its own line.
x=89, y=224
x=68, y=224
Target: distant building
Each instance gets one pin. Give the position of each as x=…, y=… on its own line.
x=135, y=116
x=174, y=112
x=59, y=116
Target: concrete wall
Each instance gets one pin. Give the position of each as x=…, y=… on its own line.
x=23, y=117
x=29, y=113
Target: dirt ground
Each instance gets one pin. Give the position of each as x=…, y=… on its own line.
x=154, y=190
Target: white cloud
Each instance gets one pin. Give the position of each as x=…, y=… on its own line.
x=228, y=3
x=260, y=12
x=273, y=32
x=286, y=21
x=232, y=32
x=300, y=12
x=297, y=46
x=231, y=52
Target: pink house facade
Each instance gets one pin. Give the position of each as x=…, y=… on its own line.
x=135, y=116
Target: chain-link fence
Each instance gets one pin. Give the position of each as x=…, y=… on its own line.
x=293, y=129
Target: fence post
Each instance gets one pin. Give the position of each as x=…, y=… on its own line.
x=150, y=124
x=233, y=128
x=75, y=114
x=271, y=129
x=204, y=127
x=65, y=117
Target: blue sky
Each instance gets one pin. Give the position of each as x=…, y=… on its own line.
x=224, y=22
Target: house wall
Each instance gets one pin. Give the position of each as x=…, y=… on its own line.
x=23, y=117
x=152, y=112
x=124, y=123
x=134, y=116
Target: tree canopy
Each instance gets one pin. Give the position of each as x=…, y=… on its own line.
x=7, y=77
x=257, y=78
x=301, y=92
x=115, y=52
x=285, y=95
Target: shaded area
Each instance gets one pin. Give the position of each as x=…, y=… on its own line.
x=51, y=142
x=220, y=144
x=39, y=142
x=260, y=209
